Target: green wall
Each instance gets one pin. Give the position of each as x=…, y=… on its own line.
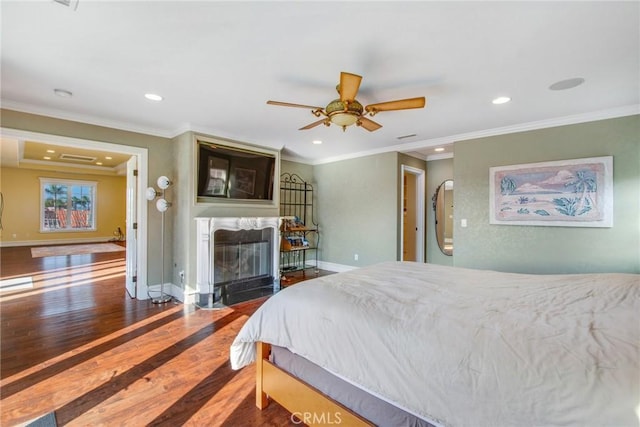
x=359, y=200
x=184, y=246
x=358, y=209
x=357, y=206
x=535, y=249
x=304, y=171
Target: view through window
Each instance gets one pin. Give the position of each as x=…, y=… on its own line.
x=67, y=205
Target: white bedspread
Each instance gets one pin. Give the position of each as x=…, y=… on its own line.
x=462, y=347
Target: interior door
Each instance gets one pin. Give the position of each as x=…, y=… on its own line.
x=131, y=227
x=412, y=214
x=410, y=228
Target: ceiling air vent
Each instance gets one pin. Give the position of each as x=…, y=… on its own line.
x=77, y=158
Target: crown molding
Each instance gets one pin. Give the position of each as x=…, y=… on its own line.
x=203, y=131
x=628, y=110
x=442, y=156
x=85, y=119
x=613, y=113
x=623, y=111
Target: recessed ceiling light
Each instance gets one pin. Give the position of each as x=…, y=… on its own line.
x=439, y=149
x=51, y=151
x=317, y=142
x=108, y=157
x=153, y=97
x=47, y=158
x=63, y=93
x=98, y=163
x=501, y=100
x=567, y=84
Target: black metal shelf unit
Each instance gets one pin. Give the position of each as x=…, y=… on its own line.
x=299, y=231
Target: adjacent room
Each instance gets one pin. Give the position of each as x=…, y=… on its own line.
x=320, y=213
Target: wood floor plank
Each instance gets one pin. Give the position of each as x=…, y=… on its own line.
x=76, y=344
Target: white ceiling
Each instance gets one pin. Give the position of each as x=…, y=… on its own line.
x=217, y=63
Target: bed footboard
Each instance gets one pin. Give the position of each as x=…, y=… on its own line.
x=298, y=397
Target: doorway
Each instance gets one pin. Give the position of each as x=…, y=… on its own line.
x=412, y=214
x=136, y=270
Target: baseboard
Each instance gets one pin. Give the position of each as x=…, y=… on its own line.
x=338, y=268
x=186, y=296
x=5, y=244
x=175, y=291
x=329, y=266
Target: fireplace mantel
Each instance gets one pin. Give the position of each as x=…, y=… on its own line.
x=206, y=228
x=242, y=223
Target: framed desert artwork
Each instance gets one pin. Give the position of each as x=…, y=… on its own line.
x=566, y=193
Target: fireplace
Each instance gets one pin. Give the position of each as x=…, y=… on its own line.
x=237, y=259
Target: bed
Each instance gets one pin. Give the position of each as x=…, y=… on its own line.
x=450, y=346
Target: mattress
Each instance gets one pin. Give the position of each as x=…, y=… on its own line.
x=368, y=406
x=457, y=346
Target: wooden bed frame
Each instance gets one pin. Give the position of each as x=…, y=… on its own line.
x=302, y=400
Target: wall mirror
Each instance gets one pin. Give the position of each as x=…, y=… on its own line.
x=443, y=207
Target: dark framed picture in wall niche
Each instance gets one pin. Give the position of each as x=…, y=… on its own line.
x=245, y=181
x=231, y=172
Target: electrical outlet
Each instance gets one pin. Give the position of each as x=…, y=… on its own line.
x=181, y=274
x=355, y=257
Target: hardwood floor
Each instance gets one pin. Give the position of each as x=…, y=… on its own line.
x=76, y=344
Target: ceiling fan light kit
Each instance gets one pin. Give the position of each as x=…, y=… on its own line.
x=344, y=113
x=346, y=110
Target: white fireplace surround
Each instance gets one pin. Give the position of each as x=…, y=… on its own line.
x=206, y=228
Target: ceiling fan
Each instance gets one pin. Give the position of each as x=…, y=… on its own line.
x=346, y=110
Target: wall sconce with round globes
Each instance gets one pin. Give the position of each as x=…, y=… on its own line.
x=164, y=182
x=162, y=205
x=151, y=193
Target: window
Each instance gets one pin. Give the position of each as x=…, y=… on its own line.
x=67, y=205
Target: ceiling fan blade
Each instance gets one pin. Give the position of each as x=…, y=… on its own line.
x=288, y=104
x=402, y=104
x=349, y=85
x=312, y=125
x=369, y=125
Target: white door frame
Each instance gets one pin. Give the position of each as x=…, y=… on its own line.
x=420, y=218
x=142, y=155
